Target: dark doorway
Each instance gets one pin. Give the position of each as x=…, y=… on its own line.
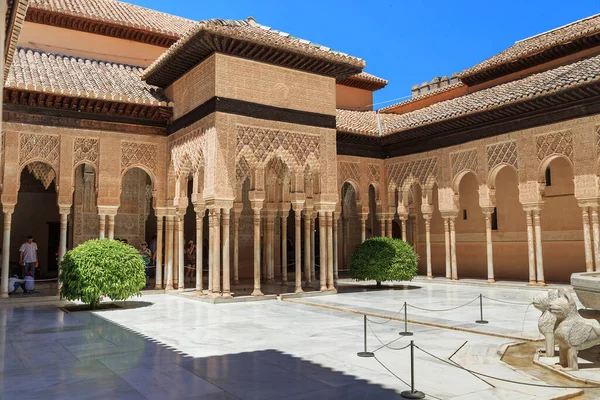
x=52, y=248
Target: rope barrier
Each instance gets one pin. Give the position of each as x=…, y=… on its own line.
x=506, y=302
x=386, y=344
x=389, y=318
x=504, y=379
x=400, y=379
x=445, y=309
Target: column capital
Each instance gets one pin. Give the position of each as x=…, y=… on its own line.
x=284, y=208
x=488, y=211
x=449, y=215
x=364, y=216
x=584, y=203
x=257, y=198
x=428, y=216
x=533, y=207
x=237, y=209
x=108, y=210
x=64, y=209
x=223, y=203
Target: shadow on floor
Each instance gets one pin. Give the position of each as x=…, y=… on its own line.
x=48, y=354
x=355, y=288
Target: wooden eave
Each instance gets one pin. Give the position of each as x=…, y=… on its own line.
x=87, y=105
x=206, y=43
x=97, y=27
x=522, y=63
x=362, y=84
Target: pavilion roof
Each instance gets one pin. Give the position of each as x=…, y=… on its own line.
x=247, y=38
x=559, y=42
x=15, y=15
x=364, y=80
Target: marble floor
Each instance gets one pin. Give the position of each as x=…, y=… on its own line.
x=171, y=347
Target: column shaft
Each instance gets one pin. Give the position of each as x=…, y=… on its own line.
x=531, y=247
x=313, y=264
x=336, y=221
x=111, y=227
x=330, y=282
x=199, y=250
x=307, y=247
x=102, y=220
x=216, y=287
x=236, y=249
x=284, y=260
x=169, y=249
x=538, y=247
x=596, y=229
x=587, y=240
x=453, y=249
x=490, y=250
x=226, y=267
x=382, y=225
x=363, y=229
x=447, y=242
x=298, y=249
x=404, y=234
x=257, y=291
x=62, y=246
x=176, y=245
x=180, y=253
x=211, y=250
x=6, y=254
x=389, y=223
x=322, y=251
x=159, y=252
x=428, y=245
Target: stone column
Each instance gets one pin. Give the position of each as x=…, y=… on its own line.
x=102, y=220
x=530, y=247
x=62, y=246
x=269, y=253
x=111, y=226
x=8, y=212
x=216, y=286
x=453, y=249
x=389, y=223
x=313, y=254
x=404, y=220
x=256, y=207
x=488, y=238
x=323, y=250
x=169, y=249
x=237, y=213
x=596, y=230
x=211, y=251
x=345, y=241
x=447, y=243
x=336, y=221
x=538, y=244
x=382, y=224
x=159, y=252
x=427, y=218
x=226, y=250
x=297, y=247
x=175, y=252
x=363, y=226
x=200, y=211
x=284, y=261
x=587, y=240
x=307, y=248
x=330, y=281
x=180, y=253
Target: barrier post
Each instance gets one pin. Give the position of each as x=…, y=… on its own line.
x=406, y=332
x=365, y=353
x=412, y=394
x=481, y=320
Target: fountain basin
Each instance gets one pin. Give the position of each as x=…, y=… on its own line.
x=587, y=287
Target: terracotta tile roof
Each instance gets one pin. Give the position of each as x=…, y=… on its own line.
x=37, y=71
x=118, y=13
x=423, y=96
x=15, y=15
x=251, y=32
x=361, y=122
x=531, y=87
x=364, y=80
x=538, y=43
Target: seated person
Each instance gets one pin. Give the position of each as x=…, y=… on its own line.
x=14, y=283
x=29, y=284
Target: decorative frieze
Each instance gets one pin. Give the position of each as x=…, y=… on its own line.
x=348, y=171
x=187, y=152
x=424, y=170
x=373, y=173
x=502, y=153
x=39, y=147
x=465, y=160
x=138, y=154
x=86, y=150
x=554, y=143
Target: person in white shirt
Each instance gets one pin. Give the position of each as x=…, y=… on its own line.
x=28, y=256
x=13, y=283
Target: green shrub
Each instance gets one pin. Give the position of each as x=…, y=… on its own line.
x=383, y=259
x=100, y=268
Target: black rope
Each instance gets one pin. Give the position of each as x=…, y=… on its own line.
x=400, y=379
x=506, y=302
x=445, y=309
x=504, y=379
x=386, y=344
x=390, y=318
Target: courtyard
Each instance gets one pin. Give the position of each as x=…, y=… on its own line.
x=174, y=347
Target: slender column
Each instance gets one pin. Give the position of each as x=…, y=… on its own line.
x=538, y=244
x=159, y=252
x=313, y=255
x=336, y=221
x=596, y=230
x=169, y=249
x=199, y=248
x=269, y=246
x=257, y=291
x=6, y=252
x=226, y=267
x=404, y=234
x=180, y=252
x=216, y=287
x=62, y=246
x=490, y=250
x=111, y=227
x=265, y=257
x=427, y=218
x=587, y=240
x=284, y=260
x=237, y=213
x=307, y=248
x=176, y=245
x=345, y=241
x=102, y=220
x=330, y=281
x=453, y=249
x=323, y=251
x=530, y=247
x=272, y=249
x=211, y=251
x=447, y=242
x=382, y=225
x=297, y=247
x=363, y=228
x=389, y=223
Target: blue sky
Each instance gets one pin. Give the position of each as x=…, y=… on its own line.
x=405, y=42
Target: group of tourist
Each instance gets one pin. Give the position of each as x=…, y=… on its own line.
x=28, y=260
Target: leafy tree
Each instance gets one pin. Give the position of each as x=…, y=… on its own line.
x=383, y=259
x=100, y=268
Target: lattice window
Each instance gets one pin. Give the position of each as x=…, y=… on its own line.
x=502, y=153
x=134, y=153
x=420, y=169
x=555, y=143
x=464, y=161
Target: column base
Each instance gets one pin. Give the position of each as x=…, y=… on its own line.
x=215, y=295
x=227, y=295
x=331, y=289
x=271, y=280
x=284, y=282
x=430, y=277
x=158, y=287
x=542, y=283
x=257, y=292
x=323, y=288
x=491, y=281
x=4, y=296
x=169, y=287
x=199, y=292
x=532, y=283
x=298, y=290
x=454, y=279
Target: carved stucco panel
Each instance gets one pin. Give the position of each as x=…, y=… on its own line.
x=465, y=160
x=137, y=153
x=188, y=151
x=423, y=170
x=502, y=153
x=348, y=171
x=86, y=150
x=39, y=147
x=554, y=143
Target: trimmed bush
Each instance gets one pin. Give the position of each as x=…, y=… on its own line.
x=100, y=268
x=383, y=259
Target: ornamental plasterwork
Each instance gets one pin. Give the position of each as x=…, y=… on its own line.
x=135, y=153
x=465, y=160
x=373, y=173
x=349, y=171
x=42, y=172
x=423, y=170
x=502, y=153
x=554, y=143
x=187, y=152
x=242, y=170
x=39, y=147
x=86, y=150
x=259, y=145
x=598, y=141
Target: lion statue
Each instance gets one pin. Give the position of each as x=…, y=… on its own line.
x=547, y=322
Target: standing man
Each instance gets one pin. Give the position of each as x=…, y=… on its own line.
x=28, y=256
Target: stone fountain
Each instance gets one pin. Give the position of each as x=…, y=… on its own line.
x=587, y=288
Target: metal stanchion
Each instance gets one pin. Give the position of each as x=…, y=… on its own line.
x=481, y=320
x=406, y=332
x=365, y=353
x=412, y=394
